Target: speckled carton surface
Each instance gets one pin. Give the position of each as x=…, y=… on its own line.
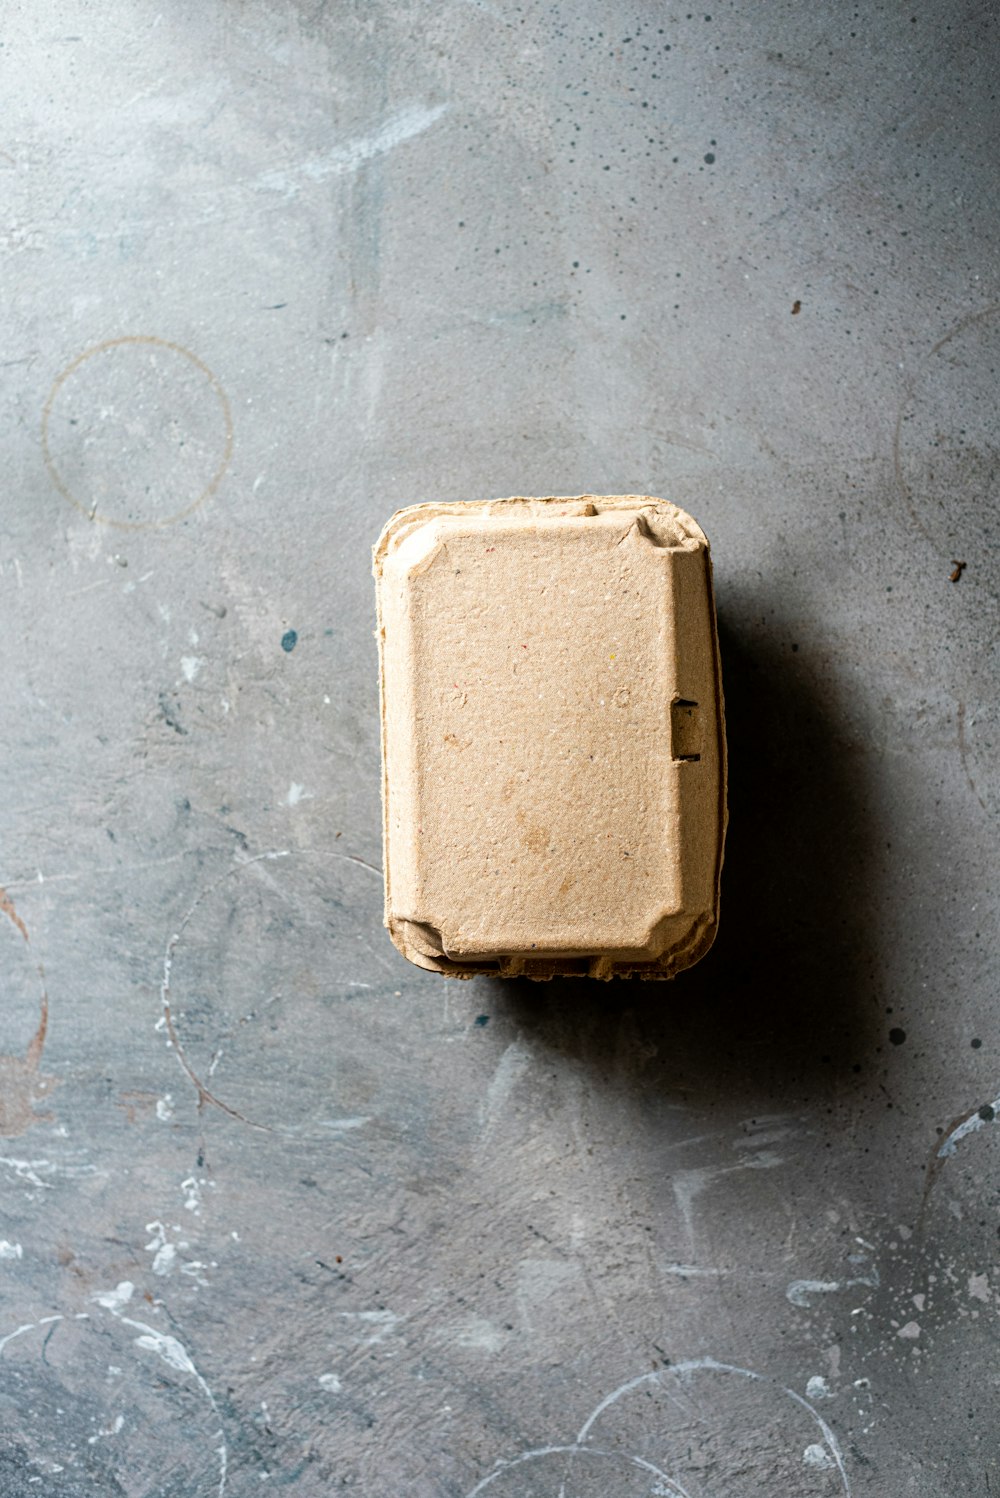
x=552, y=736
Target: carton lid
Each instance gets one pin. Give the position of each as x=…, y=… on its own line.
x=552, y=735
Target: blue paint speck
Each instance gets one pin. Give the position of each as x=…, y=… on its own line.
x=289, y=640
x=482, y=1020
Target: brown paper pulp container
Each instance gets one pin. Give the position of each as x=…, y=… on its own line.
x=553, y=747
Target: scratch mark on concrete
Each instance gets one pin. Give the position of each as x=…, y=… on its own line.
x=689, y=1184
x=909, y=390
x=350, y=155
x=33, y=1170
x=963, y=750
x=98, y=872
x=511, y=1067
x=29, y=1326
x=344, y=858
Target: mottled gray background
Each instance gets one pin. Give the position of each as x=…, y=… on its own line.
x=279, y=1211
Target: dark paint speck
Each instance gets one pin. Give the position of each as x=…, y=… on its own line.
x=987, y=1114
x=289, y=640
x=482, y=1020
x=897, y=1036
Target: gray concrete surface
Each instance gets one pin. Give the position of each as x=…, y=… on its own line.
x=278, y=1211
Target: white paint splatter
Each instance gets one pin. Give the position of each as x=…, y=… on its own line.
x=979, y=1287
x=166, y=1347
x=297, y=793
x=192, y=1195
x=32, y=1171
x=694, y=1271
x=175, y=1356
x=330, y=1382
x=164, y=1259
x=970, y=1125
x=165, y=1104
x=799, y=1291
x=818, y=1388
x=910, y=1332
x=411, y=120
x=115, y=1300
x=191, y=665
x=480, y=1334
x=10, y=1250
x=113, y=1429
x=27, y=1170
x=376, y=1326
x=818, y=1456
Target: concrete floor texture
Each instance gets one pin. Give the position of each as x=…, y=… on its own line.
x=280, y=1211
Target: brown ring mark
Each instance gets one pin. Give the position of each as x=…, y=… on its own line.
x=214, y=481
x=909, y=390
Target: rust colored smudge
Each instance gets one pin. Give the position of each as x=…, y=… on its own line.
x=7, y=906
x=22, y=1084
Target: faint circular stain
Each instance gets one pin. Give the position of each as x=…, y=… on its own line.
x=266, y=989
x=558, y=1471
x=137, y=432
x=945, y=449
x=100, y=1400
x=752, y=1432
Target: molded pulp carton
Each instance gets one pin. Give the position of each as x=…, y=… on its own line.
x=553, y=745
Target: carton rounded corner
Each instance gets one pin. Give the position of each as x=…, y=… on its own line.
x=398, y=529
